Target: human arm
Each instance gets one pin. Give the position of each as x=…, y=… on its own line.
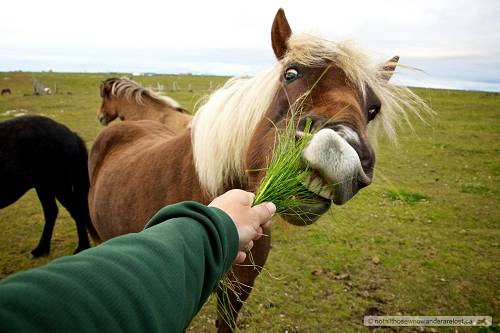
x=150, y=281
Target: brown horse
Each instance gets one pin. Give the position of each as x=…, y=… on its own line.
x=137, y=167
x=126, y=99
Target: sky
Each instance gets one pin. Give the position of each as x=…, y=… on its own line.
x=456, y=43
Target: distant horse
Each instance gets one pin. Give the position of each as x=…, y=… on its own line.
x=6, y=91
x=37, y=152
x=137, y=167
x=125, y=99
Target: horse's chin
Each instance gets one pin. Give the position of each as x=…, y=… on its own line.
x=309, y=213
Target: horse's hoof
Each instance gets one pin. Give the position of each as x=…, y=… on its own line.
x=36, y=253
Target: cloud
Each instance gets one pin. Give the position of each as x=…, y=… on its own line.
x=449, y=39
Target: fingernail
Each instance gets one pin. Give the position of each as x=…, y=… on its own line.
x=252, y=197
x=271, y=207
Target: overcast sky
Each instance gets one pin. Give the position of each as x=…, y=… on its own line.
x=456, y=42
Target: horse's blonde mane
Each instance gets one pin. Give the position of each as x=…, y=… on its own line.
x=224, y=125
x=133, y=91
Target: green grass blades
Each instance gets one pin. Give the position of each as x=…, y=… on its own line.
x=286, y=173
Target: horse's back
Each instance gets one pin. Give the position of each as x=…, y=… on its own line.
x=116, y=149
x=131, y=156
x=123, y=136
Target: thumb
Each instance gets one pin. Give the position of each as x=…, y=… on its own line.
x=265, y=211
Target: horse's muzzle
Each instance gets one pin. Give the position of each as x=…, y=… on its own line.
x=102, y=119
x=337, y=171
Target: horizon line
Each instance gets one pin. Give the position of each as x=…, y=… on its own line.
x=151, y=74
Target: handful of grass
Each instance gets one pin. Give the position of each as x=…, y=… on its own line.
x=282, y=185
x=286, y=173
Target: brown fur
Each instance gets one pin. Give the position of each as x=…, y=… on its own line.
x=138, y=155
x=138, y=167
x=131, y=101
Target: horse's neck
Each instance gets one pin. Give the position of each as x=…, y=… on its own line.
x=174, y=120
x=176, y=155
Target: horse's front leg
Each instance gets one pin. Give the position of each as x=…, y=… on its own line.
x=231, y=294
x=50, y=211
x=77, y=206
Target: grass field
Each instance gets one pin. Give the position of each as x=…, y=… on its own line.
x=423, y=239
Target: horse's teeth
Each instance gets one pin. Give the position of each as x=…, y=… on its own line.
x=307, y=181
x=326, y=193
x=315, y=185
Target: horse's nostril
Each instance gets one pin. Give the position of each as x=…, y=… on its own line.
x=310, y=121
x=363, y=179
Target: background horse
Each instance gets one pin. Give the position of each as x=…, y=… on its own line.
x=125, y=99
x=136, y=168
x=37, y=152
x=6, y=91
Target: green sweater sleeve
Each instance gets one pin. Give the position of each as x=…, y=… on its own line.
x=152, y=281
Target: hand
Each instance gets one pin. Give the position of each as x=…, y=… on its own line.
x=249, y=221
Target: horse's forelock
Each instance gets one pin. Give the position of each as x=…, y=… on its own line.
x=397, y=101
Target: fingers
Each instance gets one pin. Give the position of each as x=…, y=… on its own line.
x=260, y=232
x=266, y=225
x=240, y=257
x=245, y=198
x=251, y=197
x=242, y=253
x=249, y=246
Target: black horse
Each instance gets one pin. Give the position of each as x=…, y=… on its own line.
x=37, y=152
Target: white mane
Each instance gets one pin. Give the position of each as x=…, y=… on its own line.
x=224, y=125
x=397, y=101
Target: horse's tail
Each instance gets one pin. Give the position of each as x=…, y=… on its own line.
x=82, y=185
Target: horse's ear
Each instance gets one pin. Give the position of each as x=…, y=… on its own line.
x=105, y=89
x=101, y=92
x=280, y=32
x=387, y=68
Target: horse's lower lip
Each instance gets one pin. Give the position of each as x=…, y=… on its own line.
x=309, y=213
x=321, y=206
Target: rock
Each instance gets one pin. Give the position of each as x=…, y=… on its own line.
x=342, y=276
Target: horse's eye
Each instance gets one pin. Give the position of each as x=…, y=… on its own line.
x=291, y=74
x=372, y=113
